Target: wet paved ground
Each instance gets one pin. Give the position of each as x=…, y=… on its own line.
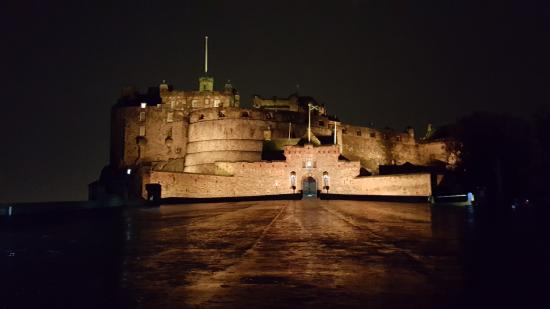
x=308, y=253
x=298, y=252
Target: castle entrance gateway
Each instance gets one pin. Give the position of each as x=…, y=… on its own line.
x=309, y=187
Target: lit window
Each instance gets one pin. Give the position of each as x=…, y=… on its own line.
x=216, y=102
x=141, y=130
x=293, y=179
x=141, y=116
x=194, y=103
x=129, y=171
x=372, y=134
x=143, y=105
x=309, y=164
x=326, y=179
x=170, y=117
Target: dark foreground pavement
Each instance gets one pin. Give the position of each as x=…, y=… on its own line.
x=308, y=253
x=274, y=254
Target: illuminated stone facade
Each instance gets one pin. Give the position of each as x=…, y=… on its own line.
x=203, y=144
x=320, y=164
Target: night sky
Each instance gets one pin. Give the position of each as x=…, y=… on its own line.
x=392, y=63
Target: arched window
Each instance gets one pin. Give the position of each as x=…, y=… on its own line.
x=326, y=181
x=245, y=114
x=293, y=180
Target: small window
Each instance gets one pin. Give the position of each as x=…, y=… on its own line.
x=245, y=114
x=194, y=103
x=398, y=138
x=372, y=134
x=268, y=116
x=141, y=130
x=141, y=116
x=221, y=114
x=321, y=123
x=358, y=132
x=326, y=180
x=216, y=102
x=143, y=105
x=201, y=117
x=344, y=131
x=170, y=117
x=169, y=132
x=293, y=179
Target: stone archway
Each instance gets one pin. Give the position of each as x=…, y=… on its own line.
x=309, y=187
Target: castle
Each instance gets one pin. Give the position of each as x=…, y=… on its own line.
x=202, y=144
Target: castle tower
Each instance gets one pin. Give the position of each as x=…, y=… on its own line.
x=206, y=83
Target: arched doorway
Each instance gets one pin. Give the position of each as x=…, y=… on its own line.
x=309, y=187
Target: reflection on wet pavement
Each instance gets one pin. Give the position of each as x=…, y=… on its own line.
x=307, y=253
x=289, y=254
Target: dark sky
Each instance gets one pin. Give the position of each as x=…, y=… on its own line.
x=393, y=63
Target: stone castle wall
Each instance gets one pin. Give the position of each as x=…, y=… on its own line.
x=373, y=148
x=274, y=178
x=192, y=100
x=237, y=134
x=147, y=135
x=203, y=136
x=210, y=135
x=395, y=185
x=193, y=130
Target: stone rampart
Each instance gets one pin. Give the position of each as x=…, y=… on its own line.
x=279, y=177
x=276, y=182
x=148, y=134
x=374, y=148
x=392, y=185
x=237, y=134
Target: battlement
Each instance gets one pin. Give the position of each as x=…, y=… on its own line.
x=221, y=113
x=379, y=135
x=308, y=150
